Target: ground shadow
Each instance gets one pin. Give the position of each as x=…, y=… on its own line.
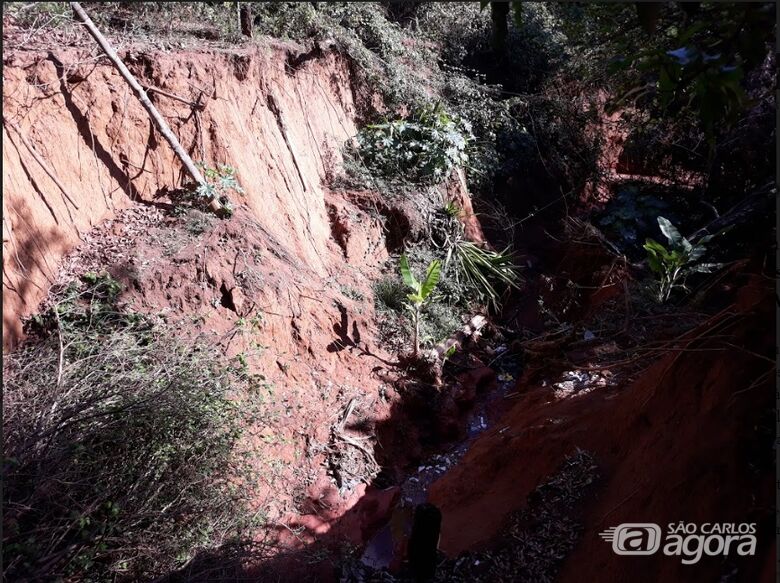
x=27, y=273
x=118, y=174
x=409, y=434
x=341, y=328
x=346, y=340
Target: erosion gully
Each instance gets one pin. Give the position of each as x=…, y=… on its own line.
x=384, y=549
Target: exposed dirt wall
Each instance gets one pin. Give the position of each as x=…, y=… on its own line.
x=280, y=127
x=675, y=444
x=283, y=286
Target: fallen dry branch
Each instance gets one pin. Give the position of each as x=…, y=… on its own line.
x=338, y=437
x=756, y=203
x=193, y=104
x=158, y=120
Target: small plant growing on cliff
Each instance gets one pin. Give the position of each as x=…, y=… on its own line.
x=672, y=264
x=219, y=181
x=451, y=209
x=389, y=295
x=426, y=146
x=421, y=291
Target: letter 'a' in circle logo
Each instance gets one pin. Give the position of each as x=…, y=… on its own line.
x=634, y=538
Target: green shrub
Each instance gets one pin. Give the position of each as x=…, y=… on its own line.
x=630, y=214
x=122, y=454
x=471, y=273
x=219, y=181
x=481, y=270
x=292, y=20
x=197, y=222
x=672, y=264
x=439, y=321
x=426, y=146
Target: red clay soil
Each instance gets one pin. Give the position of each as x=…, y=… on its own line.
x=281, y=129
x=688, y=440
x=285, y=284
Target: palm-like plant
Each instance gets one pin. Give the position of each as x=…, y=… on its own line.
x=420, y=293
x=672, y=264
x=481, y=269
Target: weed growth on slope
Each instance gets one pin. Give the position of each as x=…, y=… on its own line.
x=426, y=146
x=129, y=461
x=484, y=271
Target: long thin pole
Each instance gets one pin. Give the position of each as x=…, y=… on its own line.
x=158, y=120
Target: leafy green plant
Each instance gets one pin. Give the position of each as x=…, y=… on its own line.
x=438, y=319
x=219, y=181
x=672, y=264
x=705, y=68
x=426, y=146
x=481, y=269
x=421, y=292
x=630, y=215
x=103, y=285
x=449, y=353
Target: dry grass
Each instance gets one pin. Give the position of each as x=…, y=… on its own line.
x=129, y=461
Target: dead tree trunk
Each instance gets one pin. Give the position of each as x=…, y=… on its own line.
x=245, y=17
x=158, y=120
x=498, y=14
